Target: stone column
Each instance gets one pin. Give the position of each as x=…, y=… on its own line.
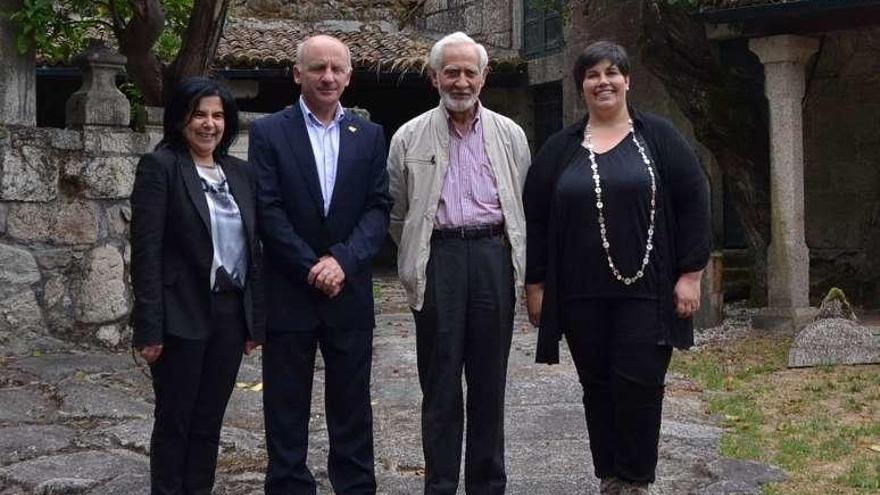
x=18, y=81
x=788, y=278
x=98, y=102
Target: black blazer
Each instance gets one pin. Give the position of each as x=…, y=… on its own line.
x=172, y=249
x=296, y=232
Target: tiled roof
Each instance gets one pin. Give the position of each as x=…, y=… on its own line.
x=317, y=10
x=249, y=42
x=732, y=4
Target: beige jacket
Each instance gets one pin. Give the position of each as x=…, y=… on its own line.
x=417, y=164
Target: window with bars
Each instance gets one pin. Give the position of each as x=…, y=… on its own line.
x=542, y=27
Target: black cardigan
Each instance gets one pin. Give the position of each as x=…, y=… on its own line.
x=687, y=222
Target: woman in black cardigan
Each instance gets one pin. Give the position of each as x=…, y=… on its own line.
x=195, y=274
x=617, y=212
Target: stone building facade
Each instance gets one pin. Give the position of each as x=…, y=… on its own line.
x=842, y=166
x=841, y=188
x=493, y=22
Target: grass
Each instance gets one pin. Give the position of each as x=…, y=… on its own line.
x=821, y=425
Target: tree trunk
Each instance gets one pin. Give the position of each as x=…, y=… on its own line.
x=201, y=39
x=136, y=42
x=725, y=103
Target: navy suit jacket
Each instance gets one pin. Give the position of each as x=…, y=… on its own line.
x=296, y=232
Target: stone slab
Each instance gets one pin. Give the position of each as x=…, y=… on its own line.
x=833, y=341
x=55, y=258
x=88, y=465
x=122, y=141
x=23, y=405
x=742, y=475
x=29, y=174
x=125, y=483
x=53, y=368
x=81, y=399
x=109, y=177
x=64, y=486
x=17, y=266
x=103, y=293
x=132, y=435
x=18, y=443
x=21, y=323
x=237, y=441
x=74, y=222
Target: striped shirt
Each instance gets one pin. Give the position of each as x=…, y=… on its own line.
x=470, y=194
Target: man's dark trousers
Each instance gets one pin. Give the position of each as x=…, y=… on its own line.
x=466, y=322
x=288, y=364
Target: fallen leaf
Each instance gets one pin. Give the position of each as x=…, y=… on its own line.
x=258, y=387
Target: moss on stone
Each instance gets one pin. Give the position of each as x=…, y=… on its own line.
x=835, y=305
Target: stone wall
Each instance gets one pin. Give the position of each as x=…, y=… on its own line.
x=842, y=166
x=493, y=22
x=64, y=221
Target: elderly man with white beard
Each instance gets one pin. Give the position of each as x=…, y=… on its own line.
x=456, y=175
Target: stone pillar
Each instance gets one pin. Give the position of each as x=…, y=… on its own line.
x=788, y=278
x=98, y=102
x=711, y=312
x=18, y=80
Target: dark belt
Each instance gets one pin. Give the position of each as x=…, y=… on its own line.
x=469, y=232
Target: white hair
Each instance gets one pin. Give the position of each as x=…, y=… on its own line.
x=456, y=38
x=302, y=45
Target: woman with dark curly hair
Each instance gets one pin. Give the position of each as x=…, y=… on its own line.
x=617, y=215
x=195, y=273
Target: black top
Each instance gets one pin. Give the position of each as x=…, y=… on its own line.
x=685, y=226
x=626, y=198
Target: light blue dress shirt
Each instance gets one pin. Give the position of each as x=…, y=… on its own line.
x=325, y=147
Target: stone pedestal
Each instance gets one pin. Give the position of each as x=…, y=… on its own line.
x=18, y=82
x=711, y=311
x=98, y=102
x=788, y=278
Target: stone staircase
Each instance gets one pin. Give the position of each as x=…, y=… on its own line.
x=737, y=274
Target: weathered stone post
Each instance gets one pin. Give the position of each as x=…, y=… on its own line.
x=98, y=102
x=788, y=259
x=711, y=312
x=18, y=82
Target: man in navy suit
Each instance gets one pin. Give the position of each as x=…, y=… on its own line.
x=323, y=205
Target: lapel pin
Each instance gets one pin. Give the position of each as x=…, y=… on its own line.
x=352, y=128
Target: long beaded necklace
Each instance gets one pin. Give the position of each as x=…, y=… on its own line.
x=603, y=231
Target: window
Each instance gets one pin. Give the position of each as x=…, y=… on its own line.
x=548, y=111
x=542, y=27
